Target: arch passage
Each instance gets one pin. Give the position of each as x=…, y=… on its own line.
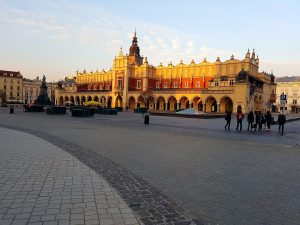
x=172, y=103
x=109, y=100
x=82, y=100
x=103, y=101
x=119, y=101
x=89, y=98
x=160, y=103
x=77, y=100
x=66, y=99
x=197, y=104
x=211, y=104
x=226, y=105
x=184, y=103
x=96, y=98
x=61, y=100
x=140, y=101
x=151, y=102
x=131, y=103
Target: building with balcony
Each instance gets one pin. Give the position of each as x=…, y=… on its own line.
x=133, y=82
x=289, y=86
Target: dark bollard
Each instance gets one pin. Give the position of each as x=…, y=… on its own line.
x=11, y=110
x=146, y=119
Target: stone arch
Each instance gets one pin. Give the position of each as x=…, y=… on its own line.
x=140, y=101
x=160, y=103
x=61, y=100
x=77, y=100
x=210, y=104
x=172, y=103
x=131, y=103
x=103, y=101
x=89, y=98
x=66, y=98
x=83, y=99
x=197, y=103
x=72, y=99
x=96, y=98
x=109, y=101
x=184, y=103
x=119, y=101
x=151, y=102
x=226, y=104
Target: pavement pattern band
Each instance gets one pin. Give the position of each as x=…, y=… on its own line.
x=147, y=202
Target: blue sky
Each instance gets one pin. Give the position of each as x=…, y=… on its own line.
x=59, y=36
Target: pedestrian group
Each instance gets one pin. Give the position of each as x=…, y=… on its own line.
x=255, y=122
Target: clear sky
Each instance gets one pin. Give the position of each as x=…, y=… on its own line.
x=56, y=37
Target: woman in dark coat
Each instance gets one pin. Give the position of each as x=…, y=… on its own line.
x=268, y=120
x=250, y=119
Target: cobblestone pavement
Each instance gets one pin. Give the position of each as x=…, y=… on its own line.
x=41, y=184
x=221, y=177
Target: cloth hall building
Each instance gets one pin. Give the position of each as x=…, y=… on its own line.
x=206, y=86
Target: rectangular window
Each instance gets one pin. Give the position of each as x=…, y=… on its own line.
x=101, y=87
x=11, y=87
x=216, y=83
x=198, y=84
x=18, y=88
x=157, y=84
x=138, y=84
x=11, y=75
x=175, y=84
x=18, y=94
x=120, y=82
x=4, y=86
x=294, y=102
x=107, y=87
x=231, y=82
x=11, y=94
x=4, y=74
x=186, y=84
x=165, y=85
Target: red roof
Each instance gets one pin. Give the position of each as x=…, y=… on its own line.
x=6, y=73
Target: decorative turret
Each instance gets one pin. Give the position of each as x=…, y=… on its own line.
x=204, y=60
x=248, y=54
x=134, y=52
x=146, y=60
x=232, y=57
x=218, y=59
x=253, y=55
x=120, y=53
x=257, y=60
x=181, y=61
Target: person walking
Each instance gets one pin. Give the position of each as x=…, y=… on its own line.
x=228, y=120
x=250, y=119
x=259, y=120
x=239, y=117
x=281, y=121
x=268, y=120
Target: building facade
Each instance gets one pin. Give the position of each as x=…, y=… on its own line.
x=11, y=86
x=31, y=90
x=206, y=86
x=289, y=86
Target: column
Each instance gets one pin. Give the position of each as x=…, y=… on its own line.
x=177, y=105
x=166, y=106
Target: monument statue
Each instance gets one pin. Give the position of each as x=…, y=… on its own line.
x=43, y=98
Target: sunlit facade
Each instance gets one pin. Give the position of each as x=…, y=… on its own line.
x=205, y=86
